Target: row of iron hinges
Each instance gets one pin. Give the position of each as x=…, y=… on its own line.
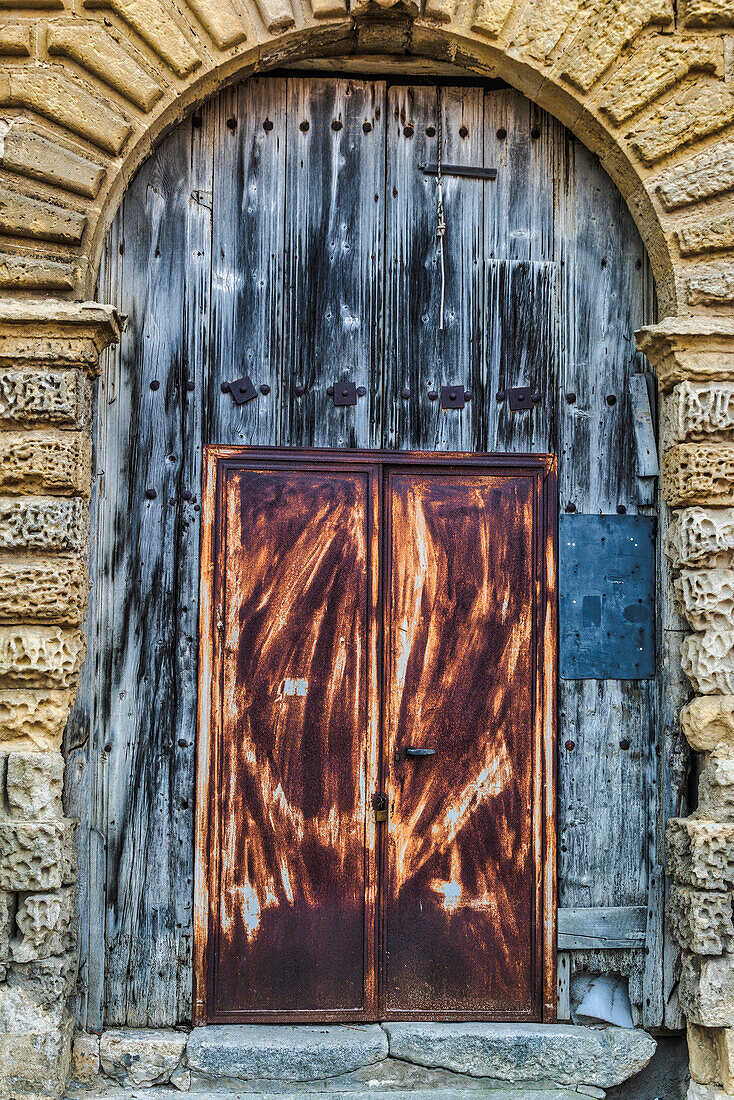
x=347, y=393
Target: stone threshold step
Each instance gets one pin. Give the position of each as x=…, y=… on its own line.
x=78, y=1092
x=560, y=1053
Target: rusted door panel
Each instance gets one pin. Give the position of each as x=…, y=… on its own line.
x=461, y=898
x=297, y=763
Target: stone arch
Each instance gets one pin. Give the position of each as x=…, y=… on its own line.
x=635, y=87
x=85, y=95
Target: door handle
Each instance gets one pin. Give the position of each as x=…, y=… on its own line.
x=419, y=752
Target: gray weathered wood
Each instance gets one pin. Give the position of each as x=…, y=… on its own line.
x=595, y=928
x=642, y=421
x=248, y=245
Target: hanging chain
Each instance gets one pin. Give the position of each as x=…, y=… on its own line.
x=440, y=220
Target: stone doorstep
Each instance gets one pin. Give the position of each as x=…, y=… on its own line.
x=163, y=1092
x=477, y=1058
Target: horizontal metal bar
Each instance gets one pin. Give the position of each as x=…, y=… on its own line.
x=597, y=928
x=460, y=170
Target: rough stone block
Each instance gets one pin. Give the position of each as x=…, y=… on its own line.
x=707, y=13
x=708, y=721
x=701, y=920
x=710, y=285
x=48, y=981
x=716, y=785
x=703, y=1055
x=525, y=1052
x=43, y=523
x=705, y=596
x=306, y=1053
x=36, y=156
x=701, y=537
x=60, y=397
x=700, y=177
x=36, y=857
x=35, y=462
x=708, y=235
x=700, y=853
x=44, y=923
x=39, y=656
x=694, y=110
x=33, y=720
x=54, y=590
x=706, y=989
x=707, y=658
x=34, y=783
x=141, y=1057
x=705, y=1092
x=6, y=910
x=698, y=411
x=698, y=473
x=85, y=1056
x=35, y=1064
x=725, y=1047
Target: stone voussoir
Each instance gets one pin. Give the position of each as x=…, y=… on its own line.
x=525, y=1052
x=283, y=1052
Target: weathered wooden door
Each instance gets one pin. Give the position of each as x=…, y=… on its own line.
x=376, y=822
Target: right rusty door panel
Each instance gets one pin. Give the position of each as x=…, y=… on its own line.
x=460, y=897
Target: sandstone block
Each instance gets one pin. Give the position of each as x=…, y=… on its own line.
x=6, y=910
x=35, y=462
x=601, y=40
x=44, y=924
x=703, y=1056
x=34, y=783
x=707, y=658
x=57, y=96
x=689, y=114
x=711, y=285
x=23, y=272
x=160, y=30
x=701, y=920
x=141, y=1057
x=42, y=523
x=36, y=156
x=708, y=721
x=35, y=656
x=696, y=349
x=701, y=537
x=59, y=397
x=708, y=235
x=33, y=720
x=700, y=177
x=707, y=13
x=35, y=1064
x=716, y=785
x=48, y=981
x=705, y=597
x=700, y=853
x=706, y=989
x=98, y=52
x=698, y=473
x=23, y=216
x=38, y=856
x=698, y=411
x=85, y=1056
x=725, y=1046
x=654, y=68
x=52, y=590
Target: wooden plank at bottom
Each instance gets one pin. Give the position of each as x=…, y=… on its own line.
x=564, y=986
x=599, y=927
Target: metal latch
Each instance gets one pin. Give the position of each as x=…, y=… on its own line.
x=469, y=171
x=380, y=805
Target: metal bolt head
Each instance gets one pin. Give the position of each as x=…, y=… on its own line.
x=432, y=395
x=405, y=392
x=361, y=391
x=150, y=494
x=265, y=390
x=299, y=390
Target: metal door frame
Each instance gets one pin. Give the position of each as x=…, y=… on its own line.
x=543, y=468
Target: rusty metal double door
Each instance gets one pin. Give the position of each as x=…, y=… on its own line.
x=376, y=803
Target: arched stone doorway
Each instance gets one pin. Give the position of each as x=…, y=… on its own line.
x=666, y=149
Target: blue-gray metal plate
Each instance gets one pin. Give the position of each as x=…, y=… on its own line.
x=607, y=597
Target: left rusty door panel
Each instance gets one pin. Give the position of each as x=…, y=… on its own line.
x=292, y=883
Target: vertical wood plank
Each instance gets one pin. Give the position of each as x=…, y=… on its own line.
x=145, y=682
x=419, y=355
x=334, y=229
x=248, y=201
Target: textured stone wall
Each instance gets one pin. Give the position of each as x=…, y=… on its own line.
x=86, y=89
